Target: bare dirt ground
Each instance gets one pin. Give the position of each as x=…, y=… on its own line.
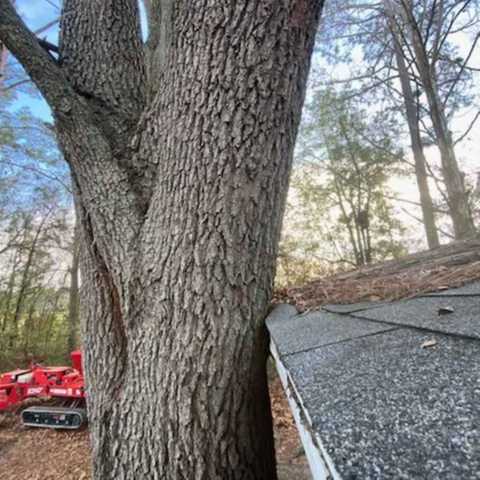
x=43, y=454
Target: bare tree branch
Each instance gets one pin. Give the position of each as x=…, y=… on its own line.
x=39, y=172
x=15, y=84
x=446, y=33
x=46, y=26
x=469, y=128
x=53, y=4
x=462, y=69
x=419, y=220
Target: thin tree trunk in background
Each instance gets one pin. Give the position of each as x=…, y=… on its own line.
x=416, y=141
x=49, y=320
x=25, y=281
x=351, y=235
x=3, y=64
x=27, y=331
x=10, y=289
x=74, y=295
x=457, y=196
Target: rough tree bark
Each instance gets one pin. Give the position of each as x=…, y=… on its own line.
x=180, y=176
x=457, y=197
x=426, y=202
x=3, y=60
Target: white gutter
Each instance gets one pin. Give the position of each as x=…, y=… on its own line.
x=321, y=464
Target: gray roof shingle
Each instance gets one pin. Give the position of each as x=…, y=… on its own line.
x=383, y=406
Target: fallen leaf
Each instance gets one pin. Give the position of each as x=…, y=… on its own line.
x=429, y=343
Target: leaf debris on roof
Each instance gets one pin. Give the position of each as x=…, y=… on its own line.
x=448, y=266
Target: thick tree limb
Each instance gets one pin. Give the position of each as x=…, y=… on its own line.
x=113, y=79
x=40, y=66
x=5, y=54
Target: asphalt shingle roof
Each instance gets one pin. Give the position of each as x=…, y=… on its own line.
x=383, y=403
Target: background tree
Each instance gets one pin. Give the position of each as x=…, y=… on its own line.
x=180, y=152
x=388, y=66
x=427, y=57
x=346, y=165
x=413, y=122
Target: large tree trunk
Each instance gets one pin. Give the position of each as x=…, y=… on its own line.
x=457, y=197
x=180, y=174
x=415, y=137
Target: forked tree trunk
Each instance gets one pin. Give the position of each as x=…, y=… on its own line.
x=426, y=202
x=180, y=175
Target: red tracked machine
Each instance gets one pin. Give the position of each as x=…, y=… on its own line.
x=65, y=385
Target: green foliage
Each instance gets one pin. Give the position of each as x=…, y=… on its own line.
x=36, y=220
x=339, y=200
x=33, y=293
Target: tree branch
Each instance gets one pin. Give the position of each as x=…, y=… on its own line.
x=38, y=63
x=419, y=220
x=446, y=33
x=15, y=84
x=469, y=128
x=462, y=69
x=112, y=80
x=46, y=26
x=37, y=171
